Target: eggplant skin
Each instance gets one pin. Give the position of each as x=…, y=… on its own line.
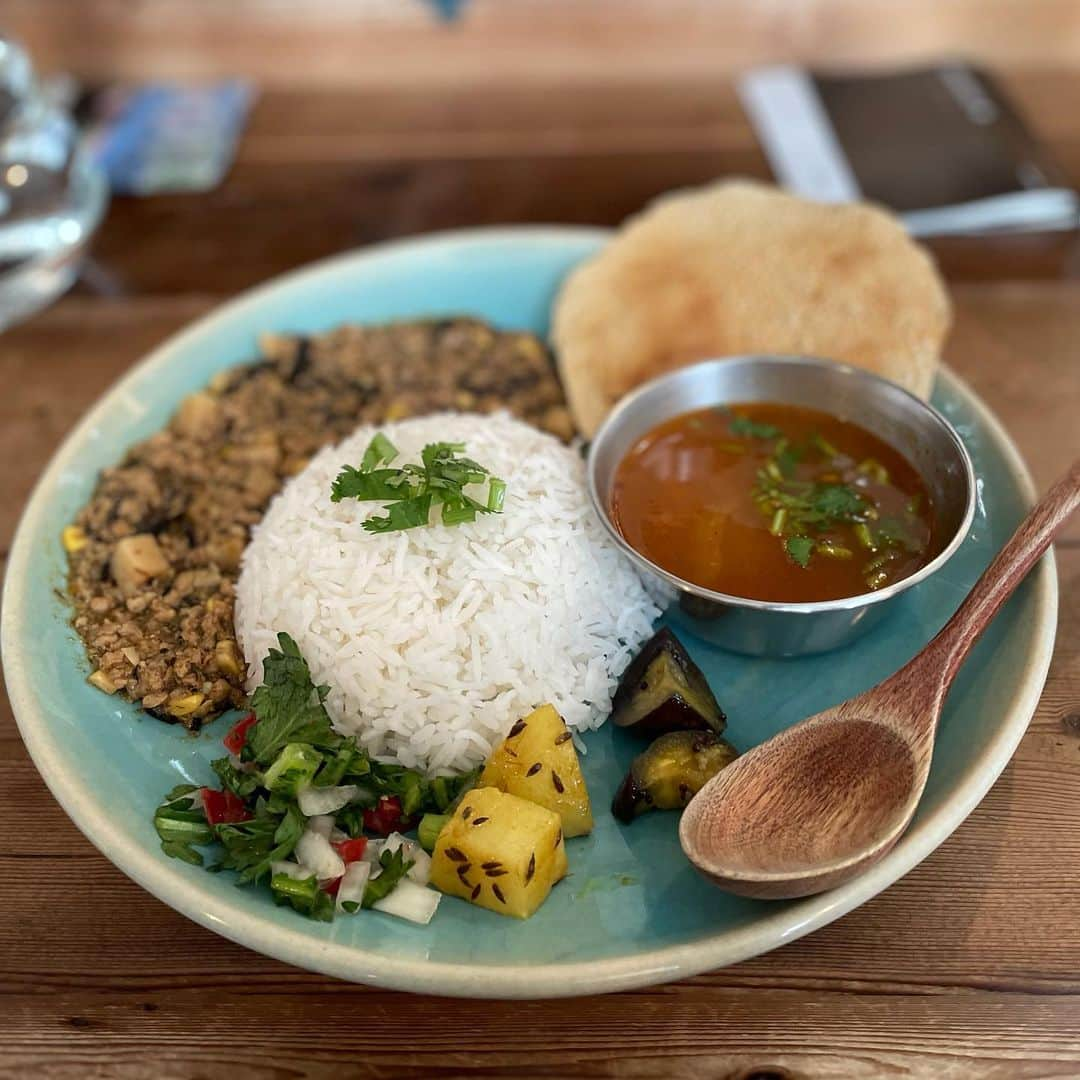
x=630, y=799
x=663, y=690
x=668, y=774
x=674, y=713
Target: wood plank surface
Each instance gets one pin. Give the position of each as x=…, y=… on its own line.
x=320, y=172
x=968, y=967
x=494, y=43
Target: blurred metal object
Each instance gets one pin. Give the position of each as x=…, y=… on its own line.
x=759, y=627
x=52, y=196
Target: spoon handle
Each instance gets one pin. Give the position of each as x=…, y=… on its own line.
x=1026, y=546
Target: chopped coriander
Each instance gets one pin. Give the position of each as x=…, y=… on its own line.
x=293, y=769
x=865, y=536
x=380, y=451
x=742, y=427
x=303, y=895
x=182, y=825
x=805, y=508
x=179, y=792
x=787, y=457
x=288, y=705
x=835, y=502
x=824, y=446
x=232, y=779
x=800, y=548
x=347, y=760
x=410, y=492
x=292, y=746
x=832, y=550
x=251, y=846
x=394, y=867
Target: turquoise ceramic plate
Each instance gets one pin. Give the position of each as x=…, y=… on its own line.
x=633, y=912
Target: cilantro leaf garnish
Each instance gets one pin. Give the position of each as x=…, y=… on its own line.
x=802, y=510
x=380, y=451
x=289, y=706
x=410, y=492
x=251, y=846
x=409, y=513
x=232, y=779
x=800, y=548
x=743, y=427
x=830, y=503
x=787, y=457
x=369, y=486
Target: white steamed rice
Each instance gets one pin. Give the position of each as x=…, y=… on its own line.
x=435, y=640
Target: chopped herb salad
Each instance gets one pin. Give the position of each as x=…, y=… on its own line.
x=305, y=810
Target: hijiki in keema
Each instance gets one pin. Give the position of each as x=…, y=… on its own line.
x=418, y=620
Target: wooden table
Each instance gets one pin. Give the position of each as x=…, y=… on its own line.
x=968, y=967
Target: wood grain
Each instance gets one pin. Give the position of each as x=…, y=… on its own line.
x=320, y=172
x=937, y=973
x=969, y=967
x=498, y=42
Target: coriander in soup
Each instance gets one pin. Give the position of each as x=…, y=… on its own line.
x=773, y=502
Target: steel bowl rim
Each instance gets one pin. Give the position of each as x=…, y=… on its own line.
x=876, y=384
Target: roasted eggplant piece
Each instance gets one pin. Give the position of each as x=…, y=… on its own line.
x=664, y=690
x=671, y=772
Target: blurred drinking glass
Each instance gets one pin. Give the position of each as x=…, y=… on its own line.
x=52, y=195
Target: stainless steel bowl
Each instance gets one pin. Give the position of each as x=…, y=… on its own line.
x=764, y=628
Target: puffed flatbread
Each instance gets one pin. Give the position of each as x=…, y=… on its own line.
x=741, y=267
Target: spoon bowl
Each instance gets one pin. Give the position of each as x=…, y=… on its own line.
x=820, y=802
x=765, y=825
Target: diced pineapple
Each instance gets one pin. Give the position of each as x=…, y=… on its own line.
x=537, y=761
x=500, y=852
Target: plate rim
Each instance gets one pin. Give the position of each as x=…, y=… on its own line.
x=168, y=884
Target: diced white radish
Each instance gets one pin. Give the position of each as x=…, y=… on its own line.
x=325, y=800
x=420, y=870
x=417, y=903
x=353, y=884
x=373, y=851
x=314, y=850
x=323, y=825
x=291, y=869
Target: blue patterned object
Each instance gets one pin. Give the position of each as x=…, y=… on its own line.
x=166, y=138
x=448, y=10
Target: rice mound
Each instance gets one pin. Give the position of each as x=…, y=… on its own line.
x=436, y=639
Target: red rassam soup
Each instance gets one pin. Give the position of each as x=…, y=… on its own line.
x=773, y=502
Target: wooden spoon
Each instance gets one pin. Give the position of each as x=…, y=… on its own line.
x=823, y=800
